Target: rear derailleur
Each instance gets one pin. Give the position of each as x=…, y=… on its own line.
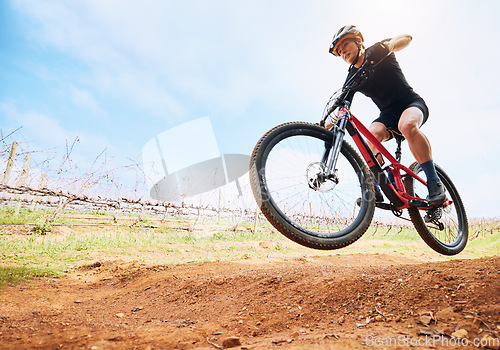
x=433, y=215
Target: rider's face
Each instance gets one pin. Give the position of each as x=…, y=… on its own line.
x=348, y=50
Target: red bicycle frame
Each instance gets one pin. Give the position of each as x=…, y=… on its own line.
x=396, y=194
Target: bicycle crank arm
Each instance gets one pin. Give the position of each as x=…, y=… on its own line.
x=386, y=206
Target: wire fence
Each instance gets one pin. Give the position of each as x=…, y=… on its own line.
x=100, y=188
x=59, y=200
x=22, y=187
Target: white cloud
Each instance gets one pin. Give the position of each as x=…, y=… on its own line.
x=47, y=132
x=84, y=99
x=158, y=53
x=79, y=30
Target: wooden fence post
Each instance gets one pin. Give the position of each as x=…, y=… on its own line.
x=20, y=183
x=10, y=163
x=256, y=220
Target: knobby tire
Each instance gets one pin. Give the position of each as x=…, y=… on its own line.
x=334, y=220
x=452, y=237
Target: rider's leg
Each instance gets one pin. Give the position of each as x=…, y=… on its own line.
x=409, y=125
x=380, y=132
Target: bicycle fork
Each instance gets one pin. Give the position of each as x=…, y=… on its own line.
x=338, y=138
x=330, y=157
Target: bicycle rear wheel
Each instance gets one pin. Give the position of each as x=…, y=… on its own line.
x=285, y=173
x=445, y=229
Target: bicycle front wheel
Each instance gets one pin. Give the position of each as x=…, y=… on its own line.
x=445, y=229
x=289, y=184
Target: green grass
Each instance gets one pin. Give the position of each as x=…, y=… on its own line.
x=7, y=215
x=48, y=252
x=15, y=274
x=28, y=216
x=485, y=245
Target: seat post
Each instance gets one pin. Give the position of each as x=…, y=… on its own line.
x=398, y=149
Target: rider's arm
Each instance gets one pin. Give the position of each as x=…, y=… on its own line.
x=398, y=42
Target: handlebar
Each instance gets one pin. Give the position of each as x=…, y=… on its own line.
x=356, y=80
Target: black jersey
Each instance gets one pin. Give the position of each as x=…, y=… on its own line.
x=386, y=86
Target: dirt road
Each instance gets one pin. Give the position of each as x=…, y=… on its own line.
x=340, y=302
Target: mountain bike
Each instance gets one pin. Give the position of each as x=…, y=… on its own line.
x=315, y=189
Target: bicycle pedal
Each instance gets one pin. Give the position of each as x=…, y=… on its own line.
x=418, y=203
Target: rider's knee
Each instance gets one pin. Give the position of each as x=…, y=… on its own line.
x=410, y=121
x=379, y=131
x=408, y=129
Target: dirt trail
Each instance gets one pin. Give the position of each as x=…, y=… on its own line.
x=343, y=302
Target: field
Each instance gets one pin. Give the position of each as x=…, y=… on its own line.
x=100, y=281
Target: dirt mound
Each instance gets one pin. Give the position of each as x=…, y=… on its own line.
x=336, y=302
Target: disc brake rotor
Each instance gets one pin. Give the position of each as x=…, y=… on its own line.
x=318, y=180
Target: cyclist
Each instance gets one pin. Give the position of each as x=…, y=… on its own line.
x=402, y=110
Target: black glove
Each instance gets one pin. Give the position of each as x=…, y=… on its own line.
x=376, y=53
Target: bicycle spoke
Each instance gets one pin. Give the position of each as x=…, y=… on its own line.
x=287, y=181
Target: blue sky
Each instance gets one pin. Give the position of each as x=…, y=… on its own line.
x=116, y=73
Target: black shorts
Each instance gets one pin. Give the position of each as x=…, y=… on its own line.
x=390, y=118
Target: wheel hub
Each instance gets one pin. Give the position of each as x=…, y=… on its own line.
x=318, y=180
